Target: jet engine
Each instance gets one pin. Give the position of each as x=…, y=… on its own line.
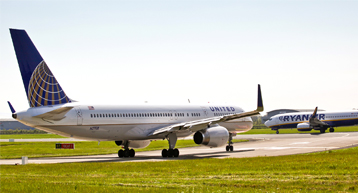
x=304, y=127
x=134, y=143
x=215, y=136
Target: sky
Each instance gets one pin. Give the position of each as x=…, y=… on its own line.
x=303, y=53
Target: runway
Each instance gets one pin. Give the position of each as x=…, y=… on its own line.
x=259, y=145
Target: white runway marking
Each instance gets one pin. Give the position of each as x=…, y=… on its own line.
x=297, y=143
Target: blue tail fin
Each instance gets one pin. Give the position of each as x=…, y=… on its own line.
x=41, y=86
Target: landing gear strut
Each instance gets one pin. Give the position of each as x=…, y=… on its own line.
x=171, y=152
x=230, y=147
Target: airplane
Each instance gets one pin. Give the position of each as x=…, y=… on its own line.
x=129, y=126
x=316, y=121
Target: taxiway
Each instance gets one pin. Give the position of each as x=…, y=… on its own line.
x=259, y=145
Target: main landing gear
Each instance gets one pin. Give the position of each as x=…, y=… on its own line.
x=171, y=152
x=126, y=152
x=331, y=129
x=230, y=147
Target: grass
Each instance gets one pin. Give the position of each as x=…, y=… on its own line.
x=329, y=171
x=288, y=131
x=30, y=136
x=12, y=150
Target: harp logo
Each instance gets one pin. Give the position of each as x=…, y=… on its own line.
x=44, y=89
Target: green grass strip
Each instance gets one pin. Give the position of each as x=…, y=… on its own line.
x=13, y=150
x=329, y=171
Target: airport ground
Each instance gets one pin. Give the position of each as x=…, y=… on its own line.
x=268, y=162
x=325, y=171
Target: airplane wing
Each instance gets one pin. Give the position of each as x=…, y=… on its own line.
x=314, y=121
x=200, y=124
x=56, y=114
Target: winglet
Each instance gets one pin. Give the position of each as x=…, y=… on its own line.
x=314, y=113
x=260, y=105
x=11, y=108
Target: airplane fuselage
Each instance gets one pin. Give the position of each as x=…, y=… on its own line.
x=333, y=119
x=128, y=122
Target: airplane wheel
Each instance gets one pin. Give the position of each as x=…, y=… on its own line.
x=170, y=153
x=120, y=153
x=331, y=129
x=176, y=152
x=277, y=132
x=322, y=130
x=126, y=153
x=164, y=153
x=131, y=153
x=227, y=148
x=231, y=148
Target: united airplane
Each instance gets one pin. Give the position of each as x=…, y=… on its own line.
x=318, y=121
x=129, y=126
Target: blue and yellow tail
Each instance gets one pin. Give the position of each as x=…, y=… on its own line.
x=41, y=86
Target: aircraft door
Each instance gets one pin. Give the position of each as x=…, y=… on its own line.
x=171, y=115
x=205, y=111
x=79, y=115
x=175, y=115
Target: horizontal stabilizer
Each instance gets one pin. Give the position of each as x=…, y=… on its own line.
x=11, y=108
x=56, y=114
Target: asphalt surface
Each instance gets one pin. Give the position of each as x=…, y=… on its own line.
x=259, y=145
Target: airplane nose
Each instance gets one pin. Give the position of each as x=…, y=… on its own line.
x=267, y=123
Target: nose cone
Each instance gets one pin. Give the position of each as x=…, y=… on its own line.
x=268, y=123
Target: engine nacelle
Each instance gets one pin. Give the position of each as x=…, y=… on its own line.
x=304, y=127
x=213, y=137
x=134, y=143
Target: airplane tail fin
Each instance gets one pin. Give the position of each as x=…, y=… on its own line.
x=40, y=84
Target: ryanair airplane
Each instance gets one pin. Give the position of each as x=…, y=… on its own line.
x=317, y=121
x=129, y=126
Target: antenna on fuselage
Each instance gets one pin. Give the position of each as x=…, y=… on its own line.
x=189, y=100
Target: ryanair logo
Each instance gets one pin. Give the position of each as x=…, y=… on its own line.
x=300, y=117
x=44, y=89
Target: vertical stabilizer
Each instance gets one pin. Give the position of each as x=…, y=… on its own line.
x=41, y=86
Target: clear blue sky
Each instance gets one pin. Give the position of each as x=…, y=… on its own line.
x=303, y=53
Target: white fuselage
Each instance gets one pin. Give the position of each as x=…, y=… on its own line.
x=128, y=122
x=333, y=119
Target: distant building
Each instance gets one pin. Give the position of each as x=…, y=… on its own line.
x=6, y=124
x=269, y=114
